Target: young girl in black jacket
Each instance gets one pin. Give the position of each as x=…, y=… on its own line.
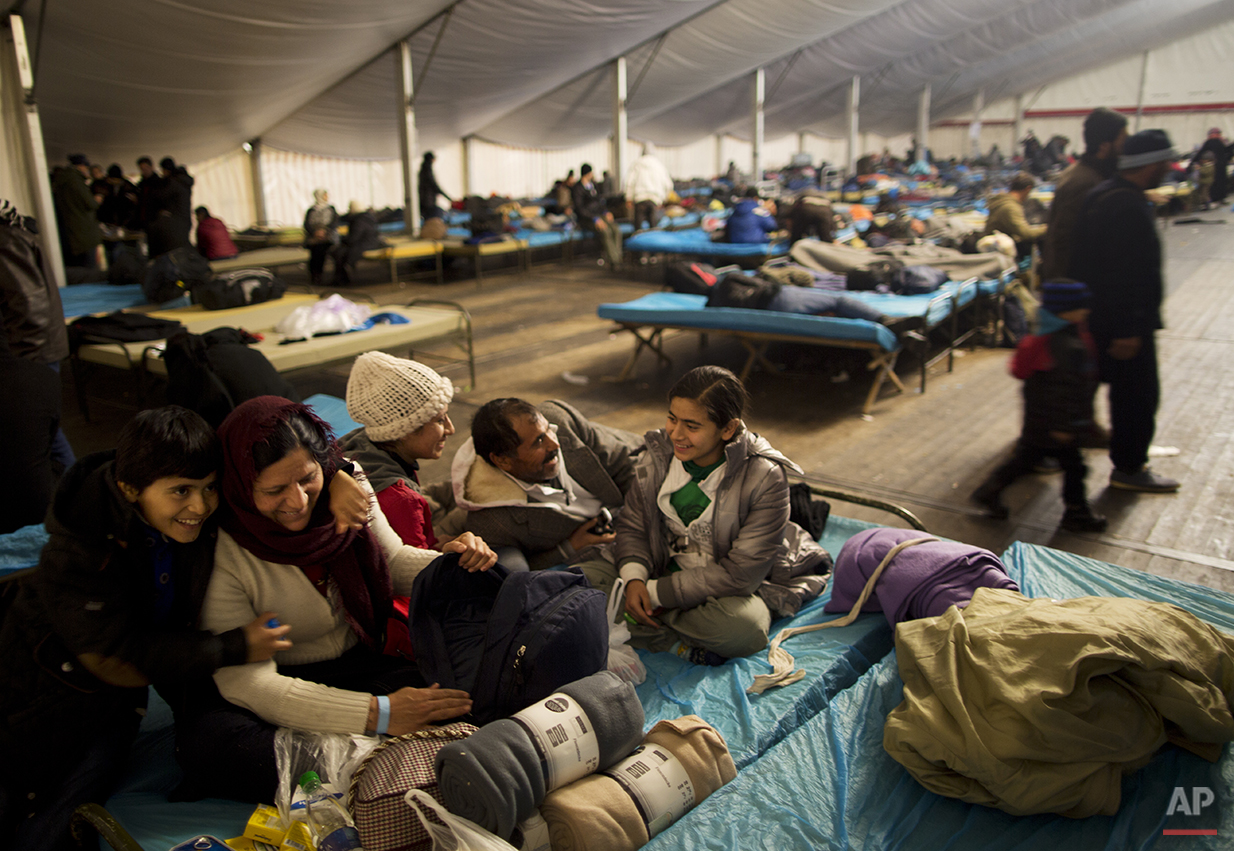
x=113, y=606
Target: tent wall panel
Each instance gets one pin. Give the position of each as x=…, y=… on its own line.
x=14, y=184
x=225, y=186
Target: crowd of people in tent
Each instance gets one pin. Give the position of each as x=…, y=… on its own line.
x=258, y=576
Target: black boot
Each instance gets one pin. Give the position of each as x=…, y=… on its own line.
x=1081, y=518
x=992, y=501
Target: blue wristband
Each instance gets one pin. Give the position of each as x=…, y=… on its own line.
x=383, y=715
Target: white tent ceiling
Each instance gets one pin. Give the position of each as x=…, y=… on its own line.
x=123, y=78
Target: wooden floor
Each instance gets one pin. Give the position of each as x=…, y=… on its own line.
x=537, y=336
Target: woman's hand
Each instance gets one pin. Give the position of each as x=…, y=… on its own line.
x=474, y=554
x=638, y=603
x=413, y=709
x=264, y=641
x=348, y=503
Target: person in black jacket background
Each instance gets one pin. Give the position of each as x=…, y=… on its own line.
x=429, y=189
x=1116, y=251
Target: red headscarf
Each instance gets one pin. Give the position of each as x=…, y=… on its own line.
x=354, y=559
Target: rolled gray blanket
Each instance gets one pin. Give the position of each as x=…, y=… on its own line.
x=496, y=778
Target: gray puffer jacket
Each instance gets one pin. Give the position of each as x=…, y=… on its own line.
x=757, y=548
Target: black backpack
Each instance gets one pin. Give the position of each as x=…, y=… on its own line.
x=508, y=639
x=238, y=288
x=682, y=276
x=127, y=266
x=214, y=372
x=172, y=274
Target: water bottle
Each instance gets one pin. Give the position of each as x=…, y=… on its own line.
x=333, y=829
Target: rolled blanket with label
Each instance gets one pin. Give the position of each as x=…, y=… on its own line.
x=500, y=774
x=680, y=763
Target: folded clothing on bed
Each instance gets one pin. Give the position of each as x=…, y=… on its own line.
x=499, y=775
x=597, y=812
x=1041, y=705
x=922, y=581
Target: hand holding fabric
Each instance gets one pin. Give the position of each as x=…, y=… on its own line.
x=474, y=554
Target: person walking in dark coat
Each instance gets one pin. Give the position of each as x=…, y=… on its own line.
x=176, y=196
x=1059, y=369
x=1116, y=251
x=1105, y=131
x=429, y=189
x=76, y=213
x=148, y=190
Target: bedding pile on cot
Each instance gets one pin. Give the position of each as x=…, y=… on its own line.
x=832, y=784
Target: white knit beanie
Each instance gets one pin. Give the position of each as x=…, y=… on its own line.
x=392, y=397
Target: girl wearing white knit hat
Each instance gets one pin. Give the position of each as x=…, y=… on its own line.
x=404, y=407
x=404, y=410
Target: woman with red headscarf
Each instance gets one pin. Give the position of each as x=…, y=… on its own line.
x=280, y=551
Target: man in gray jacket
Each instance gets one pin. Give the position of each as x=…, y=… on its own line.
x=537, y=478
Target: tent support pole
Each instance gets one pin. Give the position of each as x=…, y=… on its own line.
x=854, y=110
x=1139, y=101
x=756, y=134
x=974, y=127
x=1017, y=125
x=620, y=124
x=258, y=181
x=923, y=123
x=468, y=159
x=407, y=139
x=34, y=157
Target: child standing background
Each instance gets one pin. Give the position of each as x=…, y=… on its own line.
x=1058, y=366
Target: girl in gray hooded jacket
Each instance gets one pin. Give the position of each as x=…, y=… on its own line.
x=706, y=527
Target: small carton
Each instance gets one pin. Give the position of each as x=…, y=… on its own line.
x=265, y=825
x=243, y=843
x=298, y=838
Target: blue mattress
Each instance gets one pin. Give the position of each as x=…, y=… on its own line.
x=691, y=311
x=20, y=549
x=696, y=242
x=832, y=659
x=82, y=299
x=830, y=783
x=333, y=410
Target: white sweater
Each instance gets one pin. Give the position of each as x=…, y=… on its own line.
x=244, y=586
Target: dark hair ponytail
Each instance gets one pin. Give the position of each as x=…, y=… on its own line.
x=719, y=392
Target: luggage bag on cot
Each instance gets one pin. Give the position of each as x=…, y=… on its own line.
x=683, y=276
x=508, y=639
x=375, y=797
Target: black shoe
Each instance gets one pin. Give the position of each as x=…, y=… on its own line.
x=699, y=656
x=992, y=503
x=1081, y=518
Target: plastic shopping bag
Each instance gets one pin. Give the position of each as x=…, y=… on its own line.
x=458, y=834
x=622, y=660
x=334, y=756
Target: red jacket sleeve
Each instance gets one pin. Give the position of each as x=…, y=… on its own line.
x=1031, y=355
x=409, y=515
